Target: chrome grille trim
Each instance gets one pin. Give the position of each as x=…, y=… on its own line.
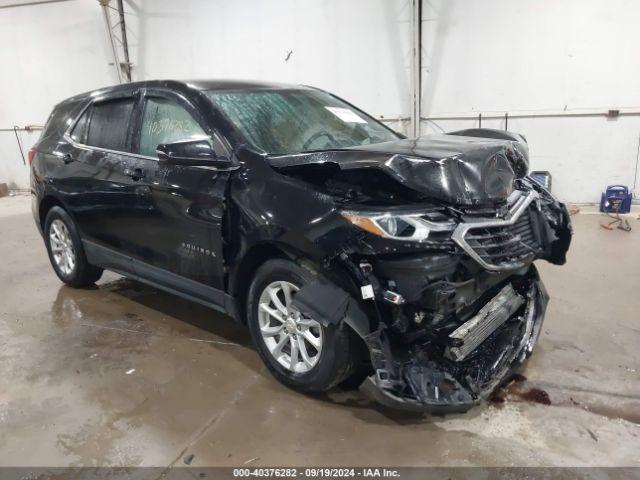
x=517, y=209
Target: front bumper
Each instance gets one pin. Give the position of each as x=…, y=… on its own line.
x=431, y=383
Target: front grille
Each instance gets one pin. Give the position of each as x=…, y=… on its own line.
x=502, y=244
x=505, y=244
x=475, y=212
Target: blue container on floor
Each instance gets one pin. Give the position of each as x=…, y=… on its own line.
x=616, y=198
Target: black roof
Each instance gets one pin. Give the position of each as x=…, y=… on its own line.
x=238, y=85
x=190, y=85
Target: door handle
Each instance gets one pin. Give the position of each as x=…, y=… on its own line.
x=67, y=158
x=135, y=173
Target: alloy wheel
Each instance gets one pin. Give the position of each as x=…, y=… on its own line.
x=62, y=247
x=292, y=339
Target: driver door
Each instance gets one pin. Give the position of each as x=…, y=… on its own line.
x=183, y=224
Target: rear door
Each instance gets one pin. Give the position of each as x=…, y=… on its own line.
x=183, y=228
x=110, y=202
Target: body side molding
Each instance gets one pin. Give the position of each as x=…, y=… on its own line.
x=157, y=277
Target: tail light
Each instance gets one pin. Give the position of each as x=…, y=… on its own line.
x=31, y=154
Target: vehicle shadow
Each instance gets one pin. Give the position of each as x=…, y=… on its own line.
x=369, y=411
x=131, y=306
x=74, y=305
x=185, y=311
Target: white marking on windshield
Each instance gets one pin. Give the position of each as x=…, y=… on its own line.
x=346, y=115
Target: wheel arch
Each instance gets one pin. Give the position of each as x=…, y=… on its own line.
x=242, y=274
x=46, y=204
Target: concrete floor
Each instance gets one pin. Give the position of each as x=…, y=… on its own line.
x=125, y=375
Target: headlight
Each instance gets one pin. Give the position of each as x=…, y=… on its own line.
x=411, y=227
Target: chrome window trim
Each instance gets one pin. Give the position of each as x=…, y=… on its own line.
x=82, y=146
x=514, y=213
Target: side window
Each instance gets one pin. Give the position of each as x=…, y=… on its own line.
x=109, y=124
x=164, y=121
x=79, y=132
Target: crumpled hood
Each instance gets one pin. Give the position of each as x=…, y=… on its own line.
x=451, y=168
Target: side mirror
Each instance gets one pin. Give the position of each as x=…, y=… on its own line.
x=191, y=152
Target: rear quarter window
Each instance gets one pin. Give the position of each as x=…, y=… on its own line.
x=79, y=132
x=60, y=118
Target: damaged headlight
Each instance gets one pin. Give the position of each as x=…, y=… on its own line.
x=411, y=227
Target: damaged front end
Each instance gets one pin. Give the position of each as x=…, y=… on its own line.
x=439, y=252
x=453, y=370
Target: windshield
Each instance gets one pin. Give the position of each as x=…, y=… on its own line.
x=294, y=121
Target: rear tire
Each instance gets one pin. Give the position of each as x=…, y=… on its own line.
x=319, y=368
x=65, y=250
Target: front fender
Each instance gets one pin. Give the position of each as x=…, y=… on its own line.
x=268, y=207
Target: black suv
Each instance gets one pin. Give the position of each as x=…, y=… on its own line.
x=351, y=252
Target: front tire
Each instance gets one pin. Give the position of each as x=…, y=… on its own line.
x=300, y=352
x=65, y=250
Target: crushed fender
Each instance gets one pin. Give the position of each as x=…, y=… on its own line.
x=329, y=305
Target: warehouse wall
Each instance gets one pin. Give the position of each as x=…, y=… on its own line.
x=542, y=55
x=479, y=55
x=358, y=49
x=48, y=52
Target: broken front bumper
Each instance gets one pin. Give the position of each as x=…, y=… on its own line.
x=502, y=336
